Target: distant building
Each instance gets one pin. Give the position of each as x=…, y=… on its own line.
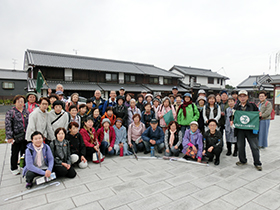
x=85, y=74
x=197, y=78
x=13, y=82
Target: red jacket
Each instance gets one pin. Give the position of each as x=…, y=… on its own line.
x=86, y=137
x=112, y=135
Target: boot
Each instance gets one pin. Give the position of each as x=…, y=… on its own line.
x=228, y=149
x=235, y=150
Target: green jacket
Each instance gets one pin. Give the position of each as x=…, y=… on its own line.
x=191, y=116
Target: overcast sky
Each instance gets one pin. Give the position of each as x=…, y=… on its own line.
x=234, y=38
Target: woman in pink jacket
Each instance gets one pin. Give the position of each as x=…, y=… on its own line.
x=164, y=108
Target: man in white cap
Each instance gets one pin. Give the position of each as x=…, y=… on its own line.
x=245, y=105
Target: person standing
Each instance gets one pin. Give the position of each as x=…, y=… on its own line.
x=16, y=121
x=223, y=106
x=251, y=137
x=31, y=104
x=265, y=108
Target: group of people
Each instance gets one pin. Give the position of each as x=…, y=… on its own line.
x=55, y=134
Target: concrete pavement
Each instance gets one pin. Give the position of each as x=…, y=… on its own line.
x=124, y=183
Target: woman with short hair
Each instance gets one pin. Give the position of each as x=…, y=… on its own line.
x=135, y=130
x=173, y=139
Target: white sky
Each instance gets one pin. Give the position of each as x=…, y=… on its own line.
x=235, y=38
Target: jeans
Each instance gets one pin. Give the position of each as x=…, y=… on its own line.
x=172, y=151
x=104, y=148
x=148, y=146
x=263, y=132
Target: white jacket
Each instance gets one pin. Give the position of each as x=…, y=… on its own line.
x=61, y=122
x=38, y=121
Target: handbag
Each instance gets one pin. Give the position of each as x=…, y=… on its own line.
x=19, y=137
x=191, y=153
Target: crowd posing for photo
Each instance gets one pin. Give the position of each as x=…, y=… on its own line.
x=55, y=135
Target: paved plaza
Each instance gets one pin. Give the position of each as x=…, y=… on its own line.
x=125, y=183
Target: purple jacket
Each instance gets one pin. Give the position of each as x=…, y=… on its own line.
x=15, y=122
x=30, y=158
x=193, y=139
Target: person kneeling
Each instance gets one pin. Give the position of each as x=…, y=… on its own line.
x=120, y=145
x=153, y=137
x=214, y=142
x=173, y=139
x=62, y=157
x=38, y=158
x=192, y=143
x=106, y=136
x=77, y=145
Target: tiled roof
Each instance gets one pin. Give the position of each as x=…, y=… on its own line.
x=50, y=59
x=163, y=87
x=13, y=74
x=257, y=80
x=127, y=87
x=197, y=72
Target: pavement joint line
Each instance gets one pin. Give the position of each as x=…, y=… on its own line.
x=3, y=167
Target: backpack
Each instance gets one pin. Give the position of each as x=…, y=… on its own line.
x=272, y=114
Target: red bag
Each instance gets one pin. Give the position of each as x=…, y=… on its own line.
x=272, y=114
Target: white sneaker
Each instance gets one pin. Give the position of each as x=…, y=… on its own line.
x=15, y=172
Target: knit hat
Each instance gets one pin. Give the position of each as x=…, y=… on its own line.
x=157, y=99
x=201, y=98
x=31, y=93
x=106, y=120
x=187, y=95
x=149, y=95
x=58, y=102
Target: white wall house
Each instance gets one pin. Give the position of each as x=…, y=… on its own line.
x=197, y=78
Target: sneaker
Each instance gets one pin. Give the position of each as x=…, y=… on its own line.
x=240, y=163
x=15, y=172
x=28, y=186
x=258, y=167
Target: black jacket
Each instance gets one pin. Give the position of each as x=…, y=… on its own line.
x=77, y=145
x=121, y=111
x=215, y=140
x=62, y=153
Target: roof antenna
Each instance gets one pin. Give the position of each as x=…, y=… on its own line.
x=76, y=51
x=14, y=62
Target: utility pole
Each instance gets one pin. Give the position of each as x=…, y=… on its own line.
x=76, y=51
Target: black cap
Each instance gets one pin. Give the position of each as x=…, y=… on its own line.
x=154, y=121
x=175, y=87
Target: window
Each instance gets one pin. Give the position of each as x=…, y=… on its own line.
x=192, y=77
x=154, y=80
x=111, y=77
x=210, y=80
x=221, y=82
x=218, y=81
x=167, y=81
x=8, y=85
x=130, y=78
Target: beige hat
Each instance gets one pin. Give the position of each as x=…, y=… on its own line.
x=243, y=92
x=194, y=122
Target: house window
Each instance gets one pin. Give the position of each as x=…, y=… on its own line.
x=8, y=85
x=167, y=81
x=221, y=82
x=192, y=77
x=130, y=78
x=210, y=80
x=111, y=77
x=154, y=80
x=218, y=81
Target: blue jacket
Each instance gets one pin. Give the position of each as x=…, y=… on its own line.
x=156, y=135
x=120, y=135
x=30, y=158
x=100, y=107
x=107, y=103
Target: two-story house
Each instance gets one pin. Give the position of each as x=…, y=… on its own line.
x=197, y=78
x=85, y=74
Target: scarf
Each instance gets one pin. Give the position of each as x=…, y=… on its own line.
x=112, y=118
x=31, y=107
x=92, y=137
x=171, y=140
x=39, y=155
x=184, y=106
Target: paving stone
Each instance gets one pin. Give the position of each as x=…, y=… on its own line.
x=252, y=206
x=151, y=202
x=206, y=181
x=187, y=202
x=217, y=205
x=153, y=188
x=156, y=177
x=66, y=193
x=181, y=179
x=129, y=185
x=90, y=206
x=133, y=175
x=274, y=175
x=261, y=185
x=78, y=180
x=61, y=204
x=100, y=184
x=240, y=196
x=180, y=191
x=269, y=199
x=112, y=173
x=112, y=202
x=91, y=197
x=232, y=183
x=210, y=193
